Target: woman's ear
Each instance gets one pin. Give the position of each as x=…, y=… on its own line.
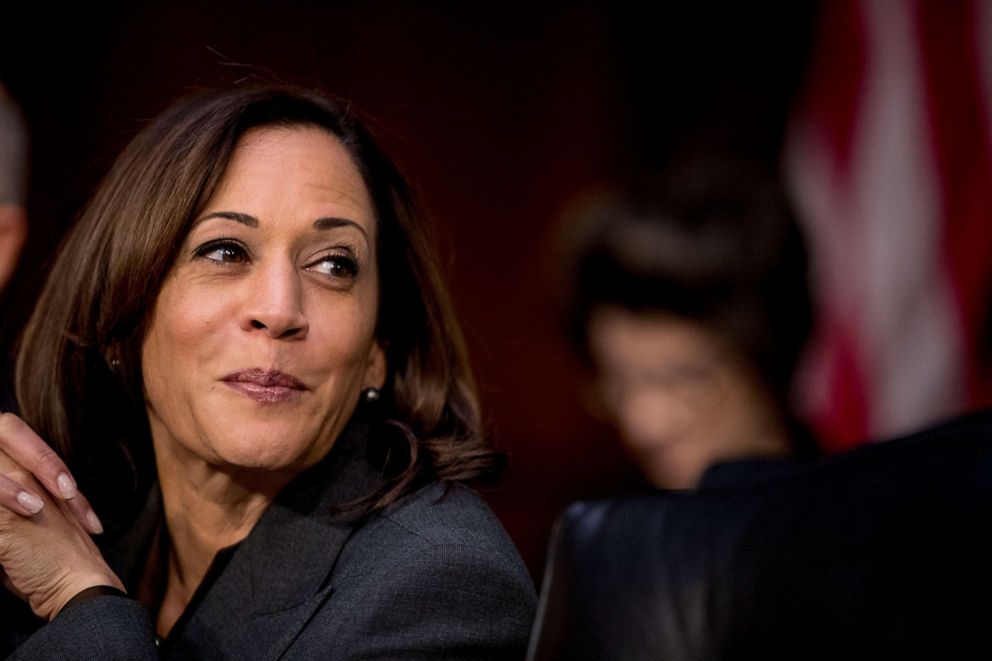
x=375, y=368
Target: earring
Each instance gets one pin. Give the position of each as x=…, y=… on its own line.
x=370, y=407
x=112, y=355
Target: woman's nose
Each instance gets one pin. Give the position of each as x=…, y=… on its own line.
x=274, y=304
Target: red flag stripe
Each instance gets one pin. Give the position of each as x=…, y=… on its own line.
x=958, y=113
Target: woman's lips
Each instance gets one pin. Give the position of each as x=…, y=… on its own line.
x=265, y=386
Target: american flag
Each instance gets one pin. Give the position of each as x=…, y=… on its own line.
x=889, y=158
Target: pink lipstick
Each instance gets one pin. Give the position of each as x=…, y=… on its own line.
x=265, y=385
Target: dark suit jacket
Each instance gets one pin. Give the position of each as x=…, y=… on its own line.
x=433, y=576
x=881, y=553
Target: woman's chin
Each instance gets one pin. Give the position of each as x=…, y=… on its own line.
x=264, y=455
x=231, y=440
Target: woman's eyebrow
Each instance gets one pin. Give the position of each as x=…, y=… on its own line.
x=243, y=218
x=326, y=223
x=331, y=222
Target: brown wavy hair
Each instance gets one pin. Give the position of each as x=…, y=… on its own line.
x=79, y=380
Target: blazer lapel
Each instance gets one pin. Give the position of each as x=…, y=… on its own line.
x=279, y=575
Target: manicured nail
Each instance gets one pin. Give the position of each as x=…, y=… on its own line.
x=66, y=486
x=30, y=502
x=94, y=523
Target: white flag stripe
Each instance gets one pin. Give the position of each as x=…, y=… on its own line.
x=876, y=228
x=909, y=322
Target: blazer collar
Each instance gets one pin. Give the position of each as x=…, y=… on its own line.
x=279, y=575
x=296, y=543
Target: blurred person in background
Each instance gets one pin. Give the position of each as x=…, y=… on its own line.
x=689, y=302
x=13, y=221
x=13, y=185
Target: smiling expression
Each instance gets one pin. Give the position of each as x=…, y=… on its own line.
x=262, y=336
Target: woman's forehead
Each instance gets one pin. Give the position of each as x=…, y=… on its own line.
x=301, y=169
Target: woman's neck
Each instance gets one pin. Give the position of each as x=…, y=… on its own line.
x=206, y=510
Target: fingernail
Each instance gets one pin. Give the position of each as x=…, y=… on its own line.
x=94, y=523
x=66, y=486
x=30, y=502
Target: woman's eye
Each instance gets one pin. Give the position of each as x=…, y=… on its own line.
x=335, y=266
x=226, y=252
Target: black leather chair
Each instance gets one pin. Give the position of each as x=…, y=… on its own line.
x=881, y=553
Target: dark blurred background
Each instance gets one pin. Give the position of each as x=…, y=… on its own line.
x=500, y=113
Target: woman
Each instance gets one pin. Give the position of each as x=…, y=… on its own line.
x=689, y=304
x=247, y=357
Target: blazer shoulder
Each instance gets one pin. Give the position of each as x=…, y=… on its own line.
x=440, y=516
x=432, y=576
x=445, y=513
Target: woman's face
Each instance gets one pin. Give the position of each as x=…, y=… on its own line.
x=678, y=396
x=262, y=336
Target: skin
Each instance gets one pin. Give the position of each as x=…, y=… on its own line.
x=278, y=274
x=13, y=233
x=680, y=399
x=45, y=551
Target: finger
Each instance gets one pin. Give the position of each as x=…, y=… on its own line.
x=17, y=499
x=32, y=454
x=82, y=512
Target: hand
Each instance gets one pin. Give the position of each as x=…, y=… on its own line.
x=48, y=558
x=32, y=455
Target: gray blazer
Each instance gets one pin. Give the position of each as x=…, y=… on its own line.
x=434, y=576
